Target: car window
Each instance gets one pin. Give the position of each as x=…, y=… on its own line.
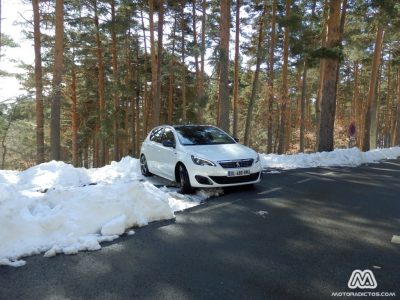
x=168, y=135
x=156, y=135
x=202, y=135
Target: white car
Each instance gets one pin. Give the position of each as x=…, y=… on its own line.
x=200, y=156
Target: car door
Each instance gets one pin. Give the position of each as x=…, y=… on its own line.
x=167, y=154
x=152, y=150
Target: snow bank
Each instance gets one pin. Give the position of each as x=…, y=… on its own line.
x=340, y=157
x=68, y=220
x=52, y=175
x=127, y=169
x=56, y=208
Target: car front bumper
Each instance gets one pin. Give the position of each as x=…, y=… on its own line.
x=210, y=177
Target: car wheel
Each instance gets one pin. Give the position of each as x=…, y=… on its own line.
x=143, y=166
x=184, y=181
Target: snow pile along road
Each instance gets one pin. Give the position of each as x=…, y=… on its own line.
x=339, y=157
x=56, y=208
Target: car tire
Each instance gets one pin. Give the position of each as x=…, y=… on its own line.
x=143, y=166
x=184, y=181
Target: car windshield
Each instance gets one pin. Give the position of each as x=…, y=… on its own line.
x=202, y=135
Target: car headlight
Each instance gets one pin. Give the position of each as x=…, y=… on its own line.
x=202, y=162
x=257, y=158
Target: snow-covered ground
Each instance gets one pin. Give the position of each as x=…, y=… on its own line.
x=56, y=208
x=339, y=157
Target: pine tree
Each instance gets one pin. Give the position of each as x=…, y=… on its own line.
x=57, y=78
x=224, y=103
x=331, y=63
x=38, y=83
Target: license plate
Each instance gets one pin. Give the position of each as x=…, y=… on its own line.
x=238, y=173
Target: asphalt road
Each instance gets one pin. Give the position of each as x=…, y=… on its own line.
x=297, y=235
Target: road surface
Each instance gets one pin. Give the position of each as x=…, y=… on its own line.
x=297, y=235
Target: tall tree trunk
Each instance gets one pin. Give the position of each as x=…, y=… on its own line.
x=370, y=127
x=379, y=123
x=128, y=101
x=396, y=128
x=254, y=88
x=341, y=104
x=74, y=118
x=171, y=77
x=101, y=97
x=157, y=98
x=389, y=113
x=198, y=84
x=328, y=100
x=146, y=101
x=55, y=139
x=394, y=110
x=202, y=95
x=96, y=145
x=195, y=46
x=303, y=105
x=236, y=72
x=284, y=92
x=321, y=73
x=270, y=80
x=152, y=115
x=115, y=96
x=224, y=103
x=38, y=83
x=183, y=25
x=355, y=102
x=136, y=148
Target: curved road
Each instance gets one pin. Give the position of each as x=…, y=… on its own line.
x=297, y=235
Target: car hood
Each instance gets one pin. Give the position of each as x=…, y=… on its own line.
x=221, y=152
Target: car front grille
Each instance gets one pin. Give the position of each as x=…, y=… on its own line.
x=233, y=164
x=236, y=179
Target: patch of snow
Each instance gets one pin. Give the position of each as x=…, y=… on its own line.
x=52, y=175
x=339, y=157
x=68, y=220
x=273, y=172
x=15, y=263
x=56, y=208
x=179, y=202
x=115, y=227
x=377, y=267
x=8, y=177
x=396, y=239
x=261, y=213
x=127, y=169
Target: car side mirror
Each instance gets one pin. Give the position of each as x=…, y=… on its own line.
x=168, y=144
x=236, y=139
